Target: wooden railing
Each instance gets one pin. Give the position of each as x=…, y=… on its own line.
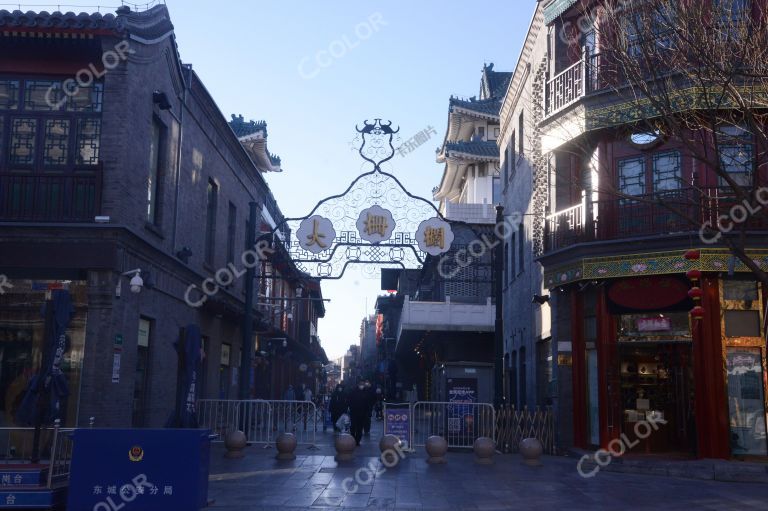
x=50, y=197
x=565, y=88
x=669, y=212
x=587, y=76
x=566, y=226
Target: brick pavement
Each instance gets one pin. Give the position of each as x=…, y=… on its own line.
x=315, y=481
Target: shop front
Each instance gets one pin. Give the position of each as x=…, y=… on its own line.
x=22, y=341
x=693, y=384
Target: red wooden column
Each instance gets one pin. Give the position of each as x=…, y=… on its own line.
x=710, y=399
x=579, y=370
x=608, y=377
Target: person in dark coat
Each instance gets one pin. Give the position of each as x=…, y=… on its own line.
x=338, y=405
x=359, y=406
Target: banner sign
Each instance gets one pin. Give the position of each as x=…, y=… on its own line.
x=462, y=394
x=397, y=421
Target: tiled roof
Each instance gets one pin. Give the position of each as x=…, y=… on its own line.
x=497, y=82
x=484, y=106
x=243, y=129
x=69, y=20
x=480, y=149
x=556, y=8
x=147, y=26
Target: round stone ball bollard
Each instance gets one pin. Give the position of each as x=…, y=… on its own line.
x=286, y=445
x=387, y=446
x=235, y=443
x=345, y=447
x=436, y=447
x=484, y=448
x=531, y=450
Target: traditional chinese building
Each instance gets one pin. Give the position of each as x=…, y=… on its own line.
x=131, y=191
x=446, y=310
x=639, y=332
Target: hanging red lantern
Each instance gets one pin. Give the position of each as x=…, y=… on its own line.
x=696, y=293
x=692, y=255
x=697, y=312
x=693, y=274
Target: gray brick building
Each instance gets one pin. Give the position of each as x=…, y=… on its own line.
x=114, y=157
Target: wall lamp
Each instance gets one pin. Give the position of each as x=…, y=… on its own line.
x=540, y=299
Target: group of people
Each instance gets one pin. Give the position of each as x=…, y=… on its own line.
x=359, y=403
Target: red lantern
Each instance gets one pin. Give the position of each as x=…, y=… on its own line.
x=695, y=293
x=697, y=312
x=692, y=255
x=693, y=274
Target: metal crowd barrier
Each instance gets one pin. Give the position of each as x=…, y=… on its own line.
x=55, y=448
x=262, y=421
x=459, y=423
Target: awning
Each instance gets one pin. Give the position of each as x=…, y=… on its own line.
x=556, y=8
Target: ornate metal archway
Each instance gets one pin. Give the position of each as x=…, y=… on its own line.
x=375, y=222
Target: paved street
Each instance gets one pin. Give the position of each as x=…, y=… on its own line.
x=315, y=481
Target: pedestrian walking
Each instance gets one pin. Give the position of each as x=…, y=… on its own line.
x=359, y=405
x=289, y=394
x=338, y=405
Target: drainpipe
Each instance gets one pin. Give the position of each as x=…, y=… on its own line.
x=250, y=274
x=498, y=340
x=180, y=120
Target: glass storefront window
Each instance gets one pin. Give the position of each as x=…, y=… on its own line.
x=672, y=326
x=22, y=334
x=746, y=401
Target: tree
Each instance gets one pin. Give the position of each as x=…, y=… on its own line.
x=693, y=72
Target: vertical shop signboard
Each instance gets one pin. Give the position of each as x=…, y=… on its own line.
x=117, y=352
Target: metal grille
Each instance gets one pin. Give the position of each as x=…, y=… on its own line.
x=459, y=423
x=514, y=425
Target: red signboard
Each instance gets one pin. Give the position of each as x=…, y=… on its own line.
x=648, y=293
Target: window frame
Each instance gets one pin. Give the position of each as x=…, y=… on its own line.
x=11, y=111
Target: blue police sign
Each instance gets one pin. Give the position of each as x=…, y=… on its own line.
x=139, y=469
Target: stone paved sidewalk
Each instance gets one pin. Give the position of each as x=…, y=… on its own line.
x=315, y=481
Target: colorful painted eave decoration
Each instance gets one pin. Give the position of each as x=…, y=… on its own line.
x=658, y=263
x=692, y=98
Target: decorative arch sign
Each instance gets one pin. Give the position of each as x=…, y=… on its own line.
x=375, y=222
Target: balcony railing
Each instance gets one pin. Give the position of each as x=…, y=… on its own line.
x=659, y=214
x=567, y=226
x=588, y=75
x=50, y=197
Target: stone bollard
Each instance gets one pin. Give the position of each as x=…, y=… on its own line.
x=235, y=442
x=436, y=447
x=345, y=447
x=484, y=448
x=531, y=449
x=389, y=454
x=286, y=445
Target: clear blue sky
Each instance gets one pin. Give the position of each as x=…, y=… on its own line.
x=248, y=55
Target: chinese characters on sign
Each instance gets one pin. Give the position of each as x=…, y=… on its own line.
x=434, y=236
x=375, y=224
x=415, y=141
x=316, y=234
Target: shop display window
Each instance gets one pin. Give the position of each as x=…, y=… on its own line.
x=22, y=334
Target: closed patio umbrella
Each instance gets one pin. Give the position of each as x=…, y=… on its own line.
x=46, y=397
x=189, y=353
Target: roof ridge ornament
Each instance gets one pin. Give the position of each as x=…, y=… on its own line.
x=376, y=146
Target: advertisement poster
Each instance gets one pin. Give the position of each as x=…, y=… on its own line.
x=397, y=421
x=462, y=394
